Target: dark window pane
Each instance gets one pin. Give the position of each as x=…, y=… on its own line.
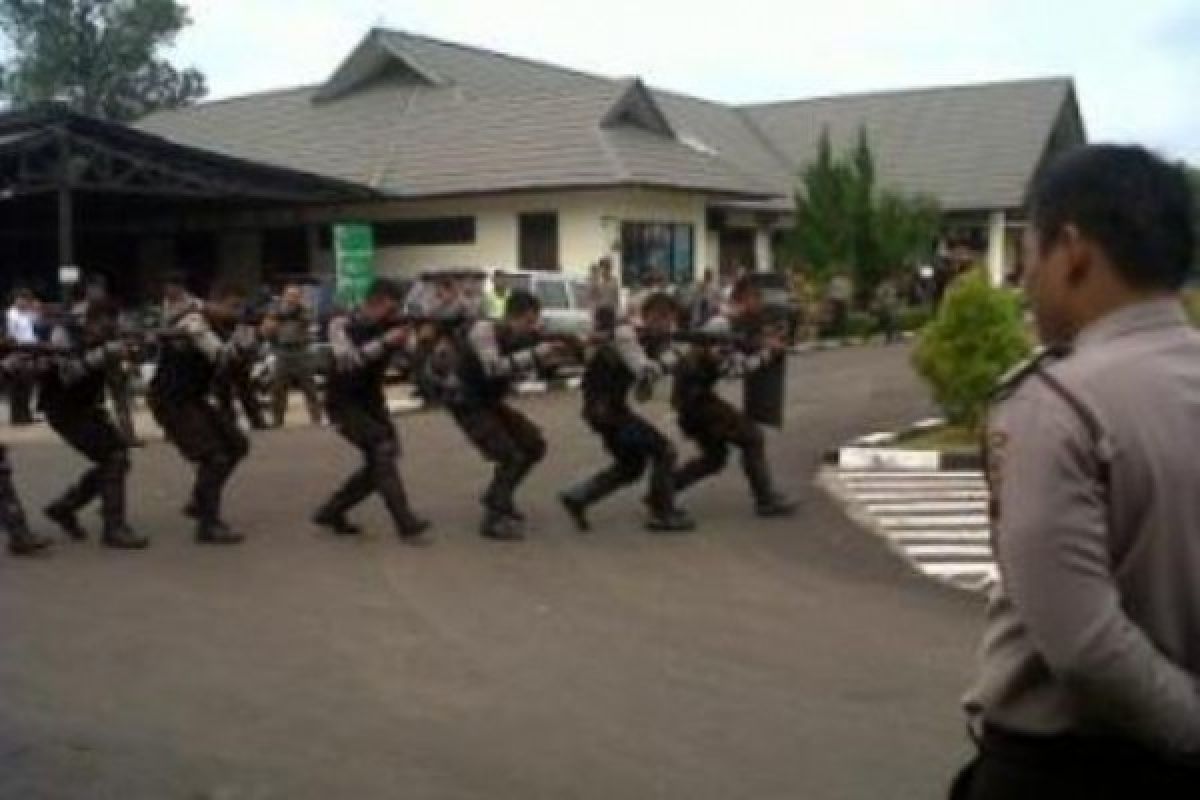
x=424, y=232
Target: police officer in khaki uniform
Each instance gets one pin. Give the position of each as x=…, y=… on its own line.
x=1090, y=678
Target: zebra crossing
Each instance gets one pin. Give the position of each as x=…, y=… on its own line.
x=937, y=520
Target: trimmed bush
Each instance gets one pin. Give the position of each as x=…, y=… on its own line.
x=1191, y=301
x=913, y=319
x=977, y=336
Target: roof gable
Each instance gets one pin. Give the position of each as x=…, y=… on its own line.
x=377, y=57
x=635, y=107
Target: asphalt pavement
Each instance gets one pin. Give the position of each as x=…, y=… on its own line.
x=754, y=659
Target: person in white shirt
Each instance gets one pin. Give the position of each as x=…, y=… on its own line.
x=21, y=327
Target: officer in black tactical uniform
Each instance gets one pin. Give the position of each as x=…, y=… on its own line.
x=614, y=368
x=363, y=344
x=181, y=400
x=491, y=355
x=21, y=540
x=233, y=383
x=72, y=400
x=714, y=424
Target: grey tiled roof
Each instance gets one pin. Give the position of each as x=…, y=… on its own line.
x=971, y=147
x=450, y=119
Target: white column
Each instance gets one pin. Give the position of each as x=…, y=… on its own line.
x=763, y=252
x=996, y=256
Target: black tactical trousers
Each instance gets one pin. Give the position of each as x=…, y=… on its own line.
x=1017, y=767
x=20, y=399
x=375, y=437
x=210, y=440
x=714, y=425
x=510, y=441
x=294, y=367
x=236, y=384
x=12, y=515
x=633, y=443
x=92, y=433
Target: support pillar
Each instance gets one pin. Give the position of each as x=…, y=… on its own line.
x=764, y=256
x=996, y=253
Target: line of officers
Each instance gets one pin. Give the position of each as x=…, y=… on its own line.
x=466, y=365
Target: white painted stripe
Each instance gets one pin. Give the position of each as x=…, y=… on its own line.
x=915, y=474
x=928, y=523
x=903, y=537
x=942, y=550
x=928, y=507
x=876, y=438
x=952, y=569
x=917, y=494
x=880, y=458
x=908, y=490
x=926, y=424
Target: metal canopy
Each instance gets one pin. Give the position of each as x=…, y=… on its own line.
x=52, y=149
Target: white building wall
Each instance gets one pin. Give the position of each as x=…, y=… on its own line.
x=589, y=227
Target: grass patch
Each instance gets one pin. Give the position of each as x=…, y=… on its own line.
x=956, y=438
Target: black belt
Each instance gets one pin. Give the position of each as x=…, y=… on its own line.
x=1072, y=749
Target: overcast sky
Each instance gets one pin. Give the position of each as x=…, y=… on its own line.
x=1136, y=62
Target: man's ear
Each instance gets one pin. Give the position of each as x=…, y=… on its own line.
x=1080, y=255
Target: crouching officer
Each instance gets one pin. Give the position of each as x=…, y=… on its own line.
x=72, y=399
x=618, y=364
x=181, y=399
x=21, y=540
x=491, y=357
x=714, y=424
x=363, y=344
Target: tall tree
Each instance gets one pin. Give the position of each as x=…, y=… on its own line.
x=845, y=223
x=99, y=57
x=1194, y=175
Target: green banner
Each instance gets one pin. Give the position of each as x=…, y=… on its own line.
x=354, y=248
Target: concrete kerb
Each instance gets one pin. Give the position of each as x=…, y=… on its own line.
x=874, y=451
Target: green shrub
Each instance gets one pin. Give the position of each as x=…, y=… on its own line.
x=976, y=337
x=861, y=325
x=913, y=319
x=1191, y=300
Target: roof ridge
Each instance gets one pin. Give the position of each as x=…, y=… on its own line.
x=497, y=53
x=234, y=98
x=995, y=84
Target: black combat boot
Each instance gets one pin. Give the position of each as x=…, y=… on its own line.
x=501, y=527
x=413, y=531
x=337, y=522
x=217, y=532
x=673, y=521
x=767, y=501
x=575, y=504
x=24, y=542
x=64, y=517
x=120, y=536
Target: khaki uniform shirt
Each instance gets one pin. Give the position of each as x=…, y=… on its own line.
x=1094, y=628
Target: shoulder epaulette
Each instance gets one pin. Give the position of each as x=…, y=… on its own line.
x=1016, y=376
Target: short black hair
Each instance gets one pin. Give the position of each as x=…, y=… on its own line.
x=743, y=287
x=386, y=289
x=521, y=302
x=1131, y=202
x=660, y=302
x=228, y=289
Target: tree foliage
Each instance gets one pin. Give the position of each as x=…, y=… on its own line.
x=977, y=336
x=1194, y=176
x=99, y=57
x=846, y=222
